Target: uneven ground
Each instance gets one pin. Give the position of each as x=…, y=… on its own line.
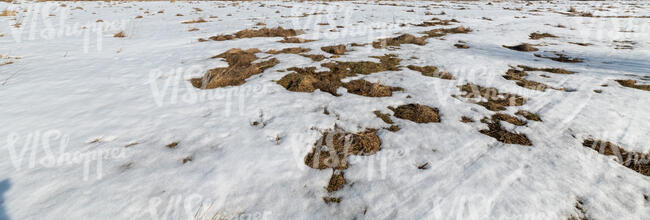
x=338, y=110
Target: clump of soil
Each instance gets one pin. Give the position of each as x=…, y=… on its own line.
x=295, y=40
x=417, y=113
x=336, y=50
x=291, y=50
x=549, y=70
x=519, y=77
x=537, y=36
x=632, y=84
x=396, y=41
x=524, y=47
x=496, y=131
x=431, y=71
x=262, y=32
x=496, y=101
x=439, y=32
x=436, y=22
x=365, y=88
x=528, y=115
x=559, y=57
x=332, y=149
x=638, y=162
x=308, y=80
x=337, y=181
x=198, y=20
x=240, y=68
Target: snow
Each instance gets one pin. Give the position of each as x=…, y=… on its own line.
x=82, y=95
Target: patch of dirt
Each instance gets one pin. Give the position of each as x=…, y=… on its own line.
x=496, y=131
x=240, y=68
x=291, y=50
x=295, y=40
x=332, y=149
x=416, y=113
x=336, y=50
x=524, y=47
x=308, y=80
x=496, y=101
x=638, y=162
x=632, y=84
x=337, y=181
x=436, y=22
x=262, y=32
x=365, y=88
x=431, y=71
x=559, y=57
x=399, y=40
x=537, y=36
x=439, y=32
x=548, y=70
x=528, y=115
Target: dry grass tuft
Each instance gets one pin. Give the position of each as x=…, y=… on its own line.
x=240, y=68
x=559, y=57
x=528, y=115
x=336, y=50
x=638, y=162
x=295, y=40
x=332, y=149
x=439, y=32
x=630, y=83
x=198, y=20
x=431, y=71
x=537, y=36
x=496, y=131
x=524, y=47
x=8, y=13
x=496, y=101
x=417, y=113
x=120, y=34
x=396, y=41
x=263, y=32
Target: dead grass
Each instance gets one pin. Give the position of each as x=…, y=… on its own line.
x=639, y=162
x=439, y=32
x=496, y=131
x=537, y=36
x=519, y=77
x=314, y=57
x=548, y=70
x=508, y=118
x=524, y=47
x=308, y=80
x=337, y=181
x=528, y=115
x=332, y=149
x=120, y=34
x=240, y=68
x=417, y=113
x=437, y=22
x=399, y=40
x=465, y=119
x=630, y=83
x=336, y=50
x=559, y=57
x=581, y=44
x=291, y=50
x=8, y=13
x=431, y=71
x=172, y=145
x=461, y=46
x=383, y=117
x=295, y=40
x=198, y=20
x=496, y=101
x=262, y=32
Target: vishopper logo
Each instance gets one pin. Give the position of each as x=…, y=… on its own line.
x=40, y=146
x=173, y=86
x=47, y=21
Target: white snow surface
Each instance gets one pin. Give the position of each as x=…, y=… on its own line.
x=73, y=93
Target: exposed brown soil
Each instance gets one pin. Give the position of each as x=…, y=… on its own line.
x=365, y=88
x=262, y=32
x=198, y=20
x=240, y=68
x=431, y=71
x=396, y=41
x=332, y=149
x=496, y=101
x=632, y=84
x=439, y=32
x=308, y=80
x=314, y=57
x=522, y=47
x=336, y=50
x=383, y=117
x=537, y=36
x=337, y=181
x=528, y=115
x=548, y=70
x=559, y=57
x=496, y=131
x=465, y=119
x=295, y=40
x=638, y=162
x=519, y=77
x=416, y=113
x=436, y=22
x=291, y=50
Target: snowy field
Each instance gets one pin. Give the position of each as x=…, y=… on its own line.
x=412, y=110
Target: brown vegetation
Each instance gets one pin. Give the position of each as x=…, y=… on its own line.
x=638, y=162
x=496, y=101
x=632, y=84
x=416, y=113
x=431, y=71
x=240, y=68
x=263, y=32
